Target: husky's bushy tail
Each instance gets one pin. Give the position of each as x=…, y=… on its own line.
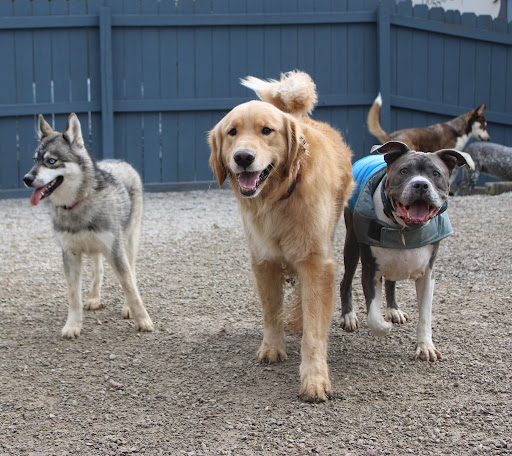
x=373, y=121
x=294, y=93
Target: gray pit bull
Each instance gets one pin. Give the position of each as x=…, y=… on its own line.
x=395, y=222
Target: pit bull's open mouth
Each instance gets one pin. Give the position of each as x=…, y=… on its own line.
x=415, y=214
x=47, y=190
x=249, y=181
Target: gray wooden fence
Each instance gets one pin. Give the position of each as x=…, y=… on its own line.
x=149, y=78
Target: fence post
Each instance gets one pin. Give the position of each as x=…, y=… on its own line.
x=384, y=57
x=107, y=97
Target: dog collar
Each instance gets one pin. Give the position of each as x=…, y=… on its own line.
x=388, y=208
x=291, y=188
x=68, y=208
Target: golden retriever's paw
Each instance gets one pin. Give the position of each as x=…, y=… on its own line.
x=71, y=330
x=396, y=316
x=93, y=304
x=427, y=352
x=271, y=355
x=349, y=322
x=144, y=324
x=316, y=390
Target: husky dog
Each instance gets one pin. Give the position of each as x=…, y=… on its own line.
x=453, y=134
x=96, y=210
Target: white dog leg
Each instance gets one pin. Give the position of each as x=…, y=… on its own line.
x=94, y=299
x=425, y=349
x=73, y=270
x=378, y=326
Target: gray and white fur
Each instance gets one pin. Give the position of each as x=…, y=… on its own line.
x=96, y=210
x=413, y=178
x=490, y=158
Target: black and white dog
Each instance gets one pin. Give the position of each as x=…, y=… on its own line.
x=490, y=158
x=395, y=222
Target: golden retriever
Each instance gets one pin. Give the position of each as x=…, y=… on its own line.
x=292, y=177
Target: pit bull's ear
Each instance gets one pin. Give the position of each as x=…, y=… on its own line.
x=392, y=150
x=218, y=168
x=73, y=133
x=479, y=111
x=44, y=128
x=452, y=158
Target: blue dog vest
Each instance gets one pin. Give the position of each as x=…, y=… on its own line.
x=368, y=173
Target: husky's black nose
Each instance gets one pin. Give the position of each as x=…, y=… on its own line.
x=28, y=179
x=244, y=157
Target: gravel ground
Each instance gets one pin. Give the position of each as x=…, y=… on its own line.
x=193, y=387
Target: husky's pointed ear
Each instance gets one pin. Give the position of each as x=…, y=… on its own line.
x=73, y=133
x=216, y=164
x=480, y=110
x=452, y=157
x=297, y=146
x=392, y=150
x=44, y=128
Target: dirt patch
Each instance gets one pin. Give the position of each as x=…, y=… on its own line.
x=193, y=386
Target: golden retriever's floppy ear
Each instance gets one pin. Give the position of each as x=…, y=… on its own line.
x=297, y=145
x=218, y=168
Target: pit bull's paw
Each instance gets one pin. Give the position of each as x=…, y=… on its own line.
x=271, y=355
x=93, y=304
x=349, y=322
x=378, y=326
x=396, y=316
x=316, y=389
x=71, y=331
x=427, y=352
x=144, y=324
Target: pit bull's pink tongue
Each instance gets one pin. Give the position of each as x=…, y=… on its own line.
x=248, y=180
x=419, y=210
x=36, y=196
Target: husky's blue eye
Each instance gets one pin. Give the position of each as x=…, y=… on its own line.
x=52, y=161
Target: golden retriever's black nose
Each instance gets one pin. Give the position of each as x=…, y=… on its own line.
x=244, y=157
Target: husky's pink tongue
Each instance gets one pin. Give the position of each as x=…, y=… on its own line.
x=248, y=180
x=37, y=195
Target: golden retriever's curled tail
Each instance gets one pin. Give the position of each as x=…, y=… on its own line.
x=294, y=93
x=374, y=122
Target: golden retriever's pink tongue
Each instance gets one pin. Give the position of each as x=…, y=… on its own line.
x=248, y=180
x=36, y=196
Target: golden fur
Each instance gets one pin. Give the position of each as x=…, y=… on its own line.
x=292, y=234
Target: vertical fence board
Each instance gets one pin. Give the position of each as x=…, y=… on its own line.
x=8, y=146
x=169, y=90
x=134, y=152
x=289, y=51
x=466, y=84
x=151, y=83
x=23, y=44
